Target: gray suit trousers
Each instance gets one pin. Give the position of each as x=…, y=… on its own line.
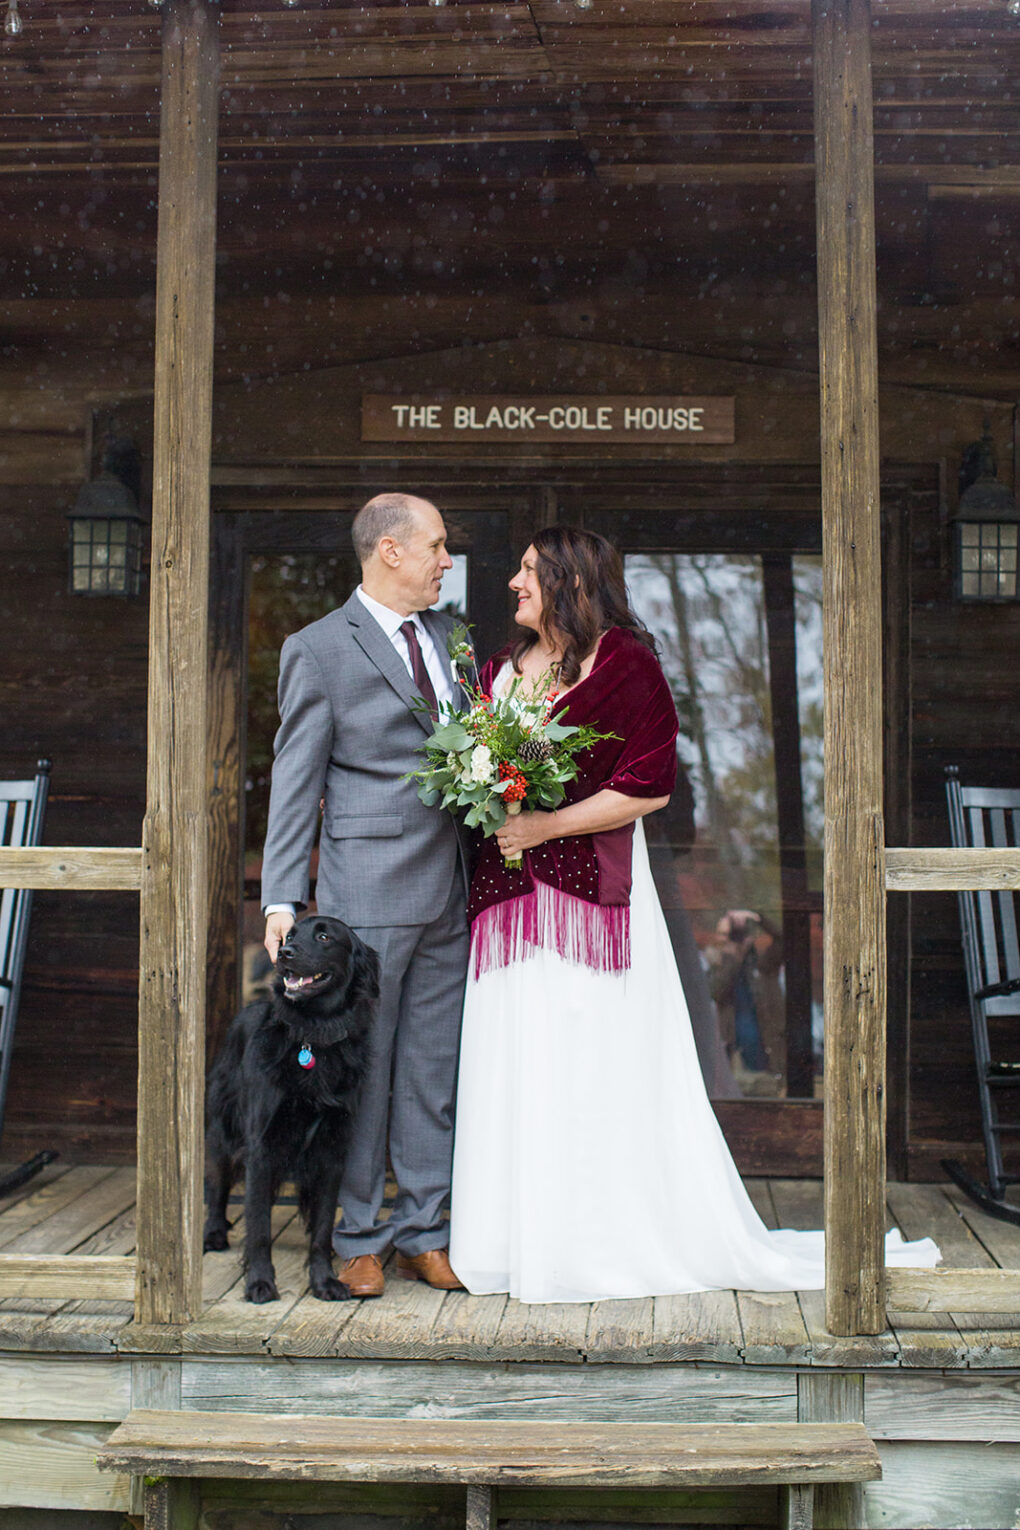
x=412, y=1082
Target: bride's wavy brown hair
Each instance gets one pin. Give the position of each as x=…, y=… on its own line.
x=580, y=575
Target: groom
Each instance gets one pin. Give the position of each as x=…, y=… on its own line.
x=389, y=866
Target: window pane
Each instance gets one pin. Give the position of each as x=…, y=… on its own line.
x=807, y=579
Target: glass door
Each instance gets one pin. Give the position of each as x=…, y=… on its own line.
x=734, y=600
x=739, y=638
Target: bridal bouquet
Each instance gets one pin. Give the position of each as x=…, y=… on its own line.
x=501, y=754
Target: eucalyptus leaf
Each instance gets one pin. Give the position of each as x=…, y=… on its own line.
x=452, y=736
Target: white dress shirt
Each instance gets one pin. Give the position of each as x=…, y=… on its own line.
x=391, y=621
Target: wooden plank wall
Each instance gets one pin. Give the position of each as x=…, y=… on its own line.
x=963, y=713
x=72, y=687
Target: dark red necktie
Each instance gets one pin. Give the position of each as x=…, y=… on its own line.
x=418, y=670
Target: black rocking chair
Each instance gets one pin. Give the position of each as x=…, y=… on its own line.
x=981, y=818
x=22, y=810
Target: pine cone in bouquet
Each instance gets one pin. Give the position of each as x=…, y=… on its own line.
x=534, y=749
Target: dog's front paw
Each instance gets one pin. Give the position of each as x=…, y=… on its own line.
x=331, y=1290
x=215, y=1240
x=260, y=1291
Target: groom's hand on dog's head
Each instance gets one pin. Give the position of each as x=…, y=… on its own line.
x=277, y=926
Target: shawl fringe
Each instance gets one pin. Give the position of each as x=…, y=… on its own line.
x=590, y=935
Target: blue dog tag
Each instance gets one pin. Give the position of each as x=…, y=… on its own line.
x=306, y=1057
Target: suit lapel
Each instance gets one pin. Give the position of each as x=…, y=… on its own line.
x=376, y=646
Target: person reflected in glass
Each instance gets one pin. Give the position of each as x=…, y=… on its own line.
x=745, y=964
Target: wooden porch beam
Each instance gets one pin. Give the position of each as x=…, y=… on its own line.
x=854, y=891
x=98, y=1277
x=174, y=839
x=1001, y=179
x=938, y=870
x=71, y=868
x=981, y=1290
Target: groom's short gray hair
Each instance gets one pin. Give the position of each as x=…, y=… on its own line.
x=387, y=515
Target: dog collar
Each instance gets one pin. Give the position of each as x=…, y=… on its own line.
x=306, y=1057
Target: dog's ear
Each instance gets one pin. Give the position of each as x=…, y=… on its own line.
x=365, y=970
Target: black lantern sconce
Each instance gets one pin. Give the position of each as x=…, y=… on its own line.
x=986, y=530
x=107, y=528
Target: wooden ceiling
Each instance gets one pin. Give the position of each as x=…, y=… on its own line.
x=641, y=170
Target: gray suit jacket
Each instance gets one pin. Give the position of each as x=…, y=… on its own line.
x=348, y=734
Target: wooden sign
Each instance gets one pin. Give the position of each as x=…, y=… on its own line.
x=669, y=419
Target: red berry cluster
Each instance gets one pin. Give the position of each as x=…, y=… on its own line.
x=518, y=787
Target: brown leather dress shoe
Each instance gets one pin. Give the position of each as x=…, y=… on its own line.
x=363, y=1275
x=433, y=1266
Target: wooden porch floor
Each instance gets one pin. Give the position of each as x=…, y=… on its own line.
x=90, y=1210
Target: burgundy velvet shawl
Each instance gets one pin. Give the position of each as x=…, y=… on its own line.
x=625, y=694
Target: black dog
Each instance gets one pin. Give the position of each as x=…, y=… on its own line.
x=282, y=1095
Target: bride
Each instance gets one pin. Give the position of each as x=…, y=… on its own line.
x=588, y=1162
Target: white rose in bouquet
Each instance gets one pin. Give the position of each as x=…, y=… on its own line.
x=481, y=765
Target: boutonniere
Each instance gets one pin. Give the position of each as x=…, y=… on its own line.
x=462, y=653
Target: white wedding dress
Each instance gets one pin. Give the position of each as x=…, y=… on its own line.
x=588, y=1161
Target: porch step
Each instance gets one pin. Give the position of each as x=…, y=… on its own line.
x=185, y=1446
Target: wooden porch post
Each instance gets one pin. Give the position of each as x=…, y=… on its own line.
x=855, y=977
x=174, y=850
